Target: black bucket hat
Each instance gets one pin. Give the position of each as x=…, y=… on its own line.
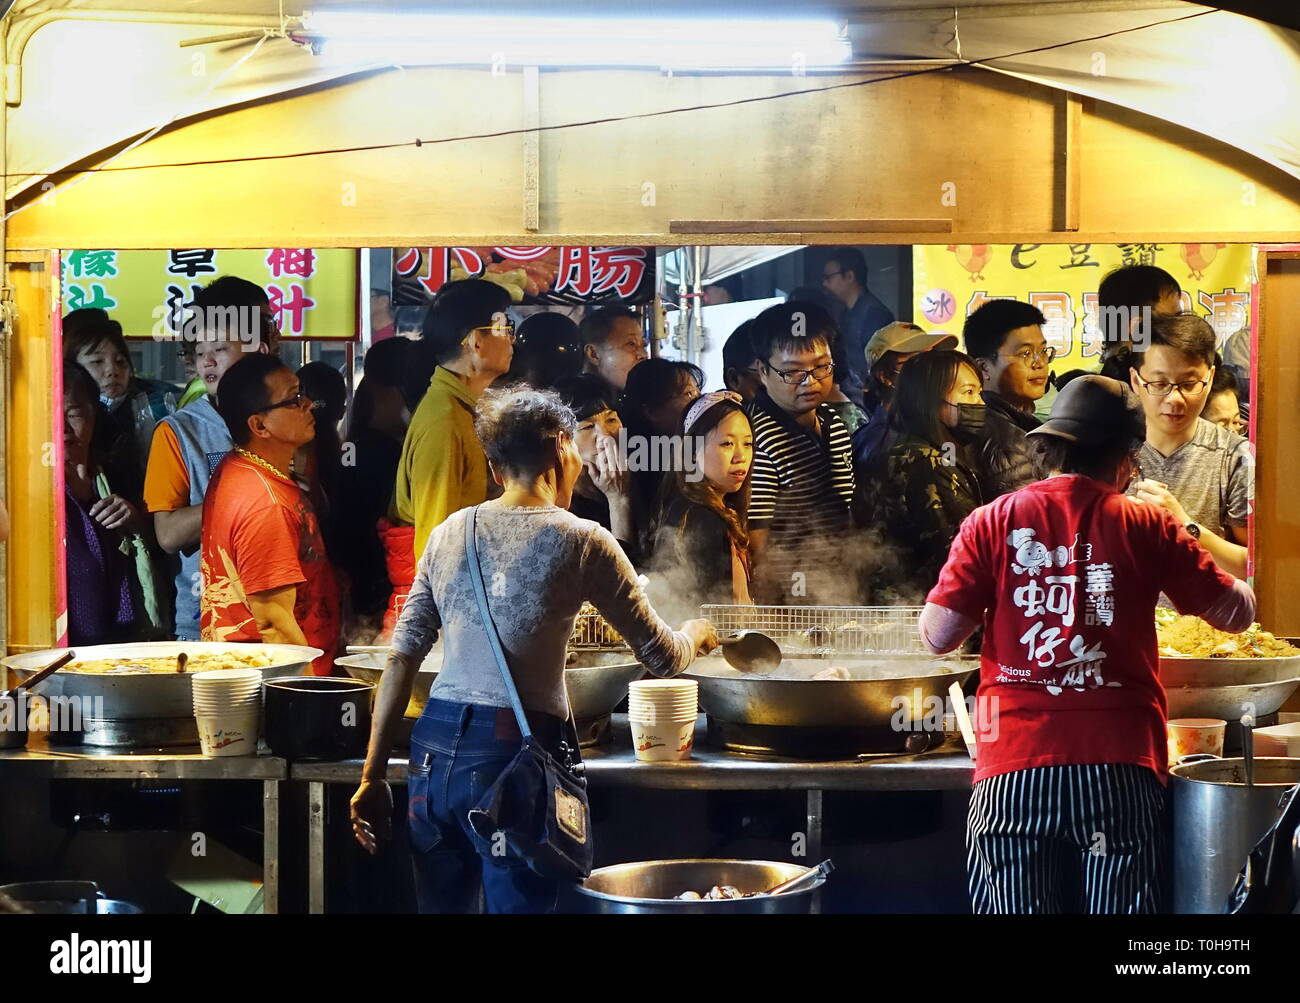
x=1095, y=410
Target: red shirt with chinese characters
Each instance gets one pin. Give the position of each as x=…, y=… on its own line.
x=1065, y=574
x=260, y=533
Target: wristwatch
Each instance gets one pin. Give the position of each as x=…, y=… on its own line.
x=1194, y=529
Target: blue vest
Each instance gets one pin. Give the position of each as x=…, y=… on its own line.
x=204, y=440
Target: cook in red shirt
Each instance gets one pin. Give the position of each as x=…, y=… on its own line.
x=265, y=573
x=1068, y=805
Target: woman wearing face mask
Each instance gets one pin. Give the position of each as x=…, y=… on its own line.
x=603, y=492
x=929, y=486
x=703, y=534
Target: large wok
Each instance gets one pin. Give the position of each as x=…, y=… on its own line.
x=870, y=700
x=147, y=695
x=597, y=681
x=1227, y=688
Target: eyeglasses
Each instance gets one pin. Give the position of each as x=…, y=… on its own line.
x=796, y=377
x=506, y=329
x=1162, y=388
x=298, y=400
x=1031, y=358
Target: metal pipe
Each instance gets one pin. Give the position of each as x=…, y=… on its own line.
x=270, y=847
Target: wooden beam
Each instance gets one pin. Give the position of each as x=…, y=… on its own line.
x=1069, y=164
x=810, y=226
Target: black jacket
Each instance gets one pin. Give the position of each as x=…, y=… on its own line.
x=1003, y=456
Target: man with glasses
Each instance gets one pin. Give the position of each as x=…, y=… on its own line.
x=1005, y=338
x=265, y=573
x=1204, y=475
x=470, y=341
x=802, y=480
x=844, y=276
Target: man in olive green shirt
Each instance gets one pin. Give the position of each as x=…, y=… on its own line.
x=443, y=467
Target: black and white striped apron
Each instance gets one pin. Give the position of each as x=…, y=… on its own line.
x=1067, y=839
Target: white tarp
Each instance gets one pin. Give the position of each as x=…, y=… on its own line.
x=89, y=86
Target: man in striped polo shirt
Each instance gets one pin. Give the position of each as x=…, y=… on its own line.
x=802, y=482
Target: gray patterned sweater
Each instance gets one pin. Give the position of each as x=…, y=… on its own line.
x=539, y=565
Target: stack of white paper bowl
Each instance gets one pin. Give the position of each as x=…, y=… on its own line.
x=662, y=713
x=228, y=708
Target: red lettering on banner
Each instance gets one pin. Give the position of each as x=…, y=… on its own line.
x=290, y=312
x=618, y=268
x=575, y=270
x=291, y=261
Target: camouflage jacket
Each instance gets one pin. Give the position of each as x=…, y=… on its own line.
x=920, y=503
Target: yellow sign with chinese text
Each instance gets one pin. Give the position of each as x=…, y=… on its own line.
x=949, y=282
x=313, y=293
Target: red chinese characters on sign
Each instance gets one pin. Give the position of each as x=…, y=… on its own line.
x=290, y=308
x=299, y=261
x=539, y=272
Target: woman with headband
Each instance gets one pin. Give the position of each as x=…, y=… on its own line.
x=703, y=530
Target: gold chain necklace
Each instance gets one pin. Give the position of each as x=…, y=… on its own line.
x=267, y=464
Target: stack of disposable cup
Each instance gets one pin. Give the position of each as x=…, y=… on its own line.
x=662, y=713
x=228, y=708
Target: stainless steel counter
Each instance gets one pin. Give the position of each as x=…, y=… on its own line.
x=615, y=765
x=40, y=761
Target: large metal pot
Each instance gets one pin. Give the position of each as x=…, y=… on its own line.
x=596, y=680
x=788, y=696
x=148, y=694
x=66, y=898
x=369, y=668
x=650, y=886
x=1176, y=671
x=317, y=718
x=1218, y=820
x=1229, y=702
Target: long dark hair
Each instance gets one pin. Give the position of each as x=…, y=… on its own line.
x=923, y=387
x=732, y=509
x=651, y=383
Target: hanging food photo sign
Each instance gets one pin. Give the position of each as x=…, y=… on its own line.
x=533, y=276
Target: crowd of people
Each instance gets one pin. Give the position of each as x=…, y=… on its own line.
x=269, y=505
x=259, y=503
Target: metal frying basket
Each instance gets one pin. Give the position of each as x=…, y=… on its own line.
x=826, y=630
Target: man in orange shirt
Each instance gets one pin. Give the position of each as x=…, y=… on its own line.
x=188, y=445
x=265, y=573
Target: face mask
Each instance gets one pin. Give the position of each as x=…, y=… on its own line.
x=970, y=422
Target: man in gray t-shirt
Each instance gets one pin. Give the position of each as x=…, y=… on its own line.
x=1201, y=473
x=1212, y=476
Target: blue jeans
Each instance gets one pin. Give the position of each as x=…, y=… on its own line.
x=457, y=753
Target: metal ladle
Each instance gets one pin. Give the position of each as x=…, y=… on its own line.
x=751, y=651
